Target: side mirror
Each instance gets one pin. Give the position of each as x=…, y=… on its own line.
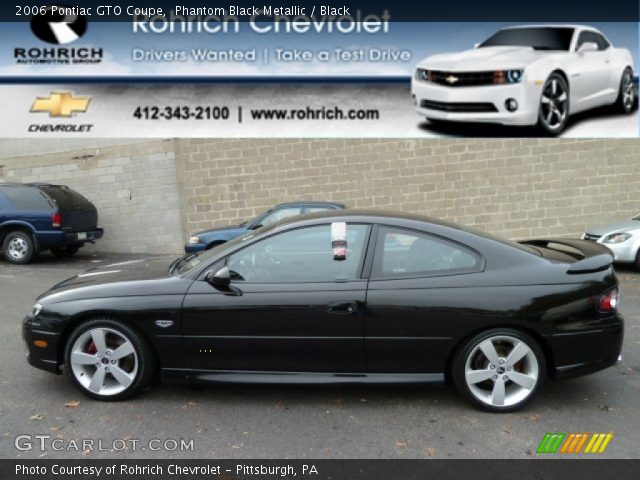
x=219, y=279
x=588, y=47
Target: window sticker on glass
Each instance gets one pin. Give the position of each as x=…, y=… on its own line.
x=339, y=240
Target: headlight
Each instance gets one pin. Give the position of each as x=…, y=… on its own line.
x=423, y=74
x=37, y=308
x=507, y=76
x=617, y=238
x=194, y=239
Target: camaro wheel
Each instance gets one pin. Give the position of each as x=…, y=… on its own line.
x=554, y=105
x=18, y=247
x=627, y=95
x=638, y=260
x=499, y=370
x=108, y=360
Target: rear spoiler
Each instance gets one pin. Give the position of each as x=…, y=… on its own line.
x=596, y=257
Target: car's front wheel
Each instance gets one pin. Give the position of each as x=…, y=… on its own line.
x=499, y=370
x=108, y=360
x=627, y=94
x=553, y=111
x=18, y=247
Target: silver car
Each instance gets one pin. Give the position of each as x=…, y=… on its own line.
x=622, y=238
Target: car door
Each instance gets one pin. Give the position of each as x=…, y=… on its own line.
x=590, y=80
x=413, y=301
x=291, y=307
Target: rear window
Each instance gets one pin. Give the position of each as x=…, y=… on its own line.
x=67, y=199
x=27, y=198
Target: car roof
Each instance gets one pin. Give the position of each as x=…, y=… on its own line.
x=31, y=184
x=568, y=25
x=310, y=202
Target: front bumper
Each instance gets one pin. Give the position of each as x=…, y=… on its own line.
x=527, y=94
x=42, y=357
x=194, y=247
x=586, y=351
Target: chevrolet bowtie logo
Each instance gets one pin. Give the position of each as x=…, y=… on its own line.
x=61, y=104
x=452, y=79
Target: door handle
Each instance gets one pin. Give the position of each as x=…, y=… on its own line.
x=343, y=308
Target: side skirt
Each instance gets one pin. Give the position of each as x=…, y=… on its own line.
x=171, y=375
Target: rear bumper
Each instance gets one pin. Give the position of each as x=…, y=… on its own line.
x=44, y=358
x=586, y=351
x=58, y=238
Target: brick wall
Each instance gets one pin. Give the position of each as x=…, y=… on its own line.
x=133, y=185
x=152, y=194
x=513, y=187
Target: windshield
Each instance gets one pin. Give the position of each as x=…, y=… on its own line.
x=539, y=38
x=190, y=262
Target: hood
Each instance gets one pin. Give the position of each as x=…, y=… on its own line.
x=116, y=273
x=621, y=226
x=481, y=59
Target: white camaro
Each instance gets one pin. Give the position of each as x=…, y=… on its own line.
x=526, y=75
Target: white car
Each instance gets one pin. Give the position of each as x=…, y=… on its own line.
x=526, y=75
x=622, y=238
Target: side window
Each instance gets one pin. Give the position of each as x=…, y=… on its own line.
x=407, y=253
x=280, y=214
x=602, y=42
x=27, y=198
x=594, y=38
x=301, y=255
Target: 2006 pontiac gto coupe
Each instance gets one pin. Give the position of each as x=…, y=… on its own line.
x=526, y=75
x=341, y=297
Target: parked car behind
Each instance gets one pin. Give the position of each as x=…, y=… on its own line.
x=622, y=238
x=35, y=217
x=217, y=236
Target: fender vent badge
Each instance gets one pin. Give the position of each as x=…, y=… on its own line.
x=164, y=323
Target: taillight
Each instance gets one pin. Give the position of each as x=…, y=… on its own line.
x=609, y=301
x=56, y=220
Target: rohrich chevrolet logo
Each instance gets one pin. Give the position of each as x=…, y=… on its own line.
x=452, y=79
x=61, y=104
x=574, y=442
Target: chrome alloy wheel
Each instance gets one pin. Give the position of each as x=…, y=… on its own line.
x=554, y=104
x=628, y=91
x=104, y=361
x=501, y=371
x=18, y=248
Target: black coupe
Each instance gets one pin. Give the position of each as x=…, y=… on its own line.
x=336, y=298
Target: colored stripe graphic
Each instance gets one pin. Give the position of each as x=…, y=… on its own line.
x=551, y=442
x=574, y=443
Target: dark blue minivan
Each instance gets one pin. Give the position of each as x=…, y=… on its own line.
x=37, y=216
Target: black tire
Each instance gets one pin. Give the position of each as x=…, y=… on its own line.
x=147, y=362
x=625, y=104
x=638, y=260
x=544, y=125
x=65, y=252
x=458, y=369
x=18, y=247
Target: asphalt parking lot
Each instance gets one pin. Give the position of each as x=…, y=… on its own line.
x=298, y=422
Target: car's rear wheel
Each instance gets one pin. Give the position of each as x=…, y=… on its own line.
x=499, y=370
x=627, y=95
x=553, y=112
x=638, y=260
x=65, y=252
x=108, y=360
x=18, y=247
